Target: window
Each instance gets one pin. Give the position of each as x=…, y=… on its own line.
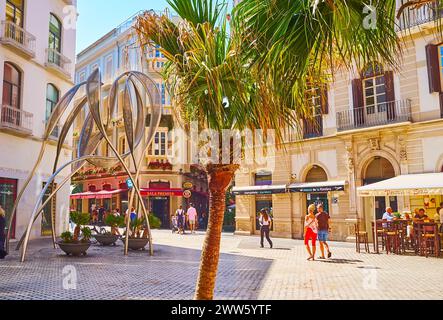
x=82, y=76
x=159, y=145
x=374, y=88
x=161, y=88
x=108, y=67
x=314, y=100
x=55, y=40
x=14, y=11
x=12, y=79
x=263, y=178
x=52, y=97
x=158, y=53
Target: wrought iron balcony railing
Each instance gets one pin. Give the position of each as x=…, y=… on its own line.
x=18, y=38
x=313, y=128
x=58, y=62
x=374, y=115
x=15, y=119
x=416, y=16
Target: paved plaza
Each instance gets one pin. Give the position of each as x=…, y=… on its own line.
x=246, y=272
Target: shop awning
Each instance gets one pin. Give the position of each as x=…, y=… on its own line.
x=405, y=185
x=103, y=194
x=254, y=190
x=324, y=186
x=151, y=192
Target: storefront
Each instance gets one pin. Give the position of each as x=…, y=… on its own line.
x=422, y=190
x=262, y=198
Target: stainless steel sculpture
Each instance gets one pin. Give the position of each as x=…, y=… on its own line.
x=136, y=87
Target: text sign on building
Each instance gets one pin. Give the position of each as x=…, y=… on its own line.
x=188, y=185
x=187, y=194
x=318, y=189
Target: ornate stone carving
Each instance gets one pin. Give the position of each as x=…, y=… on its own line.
x=374, y=144
x=349, y=158
x=402, y=149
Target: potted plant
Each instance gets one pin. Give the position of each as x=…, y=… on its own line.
x=110, y=238
x=138, y=238
x=77, y=243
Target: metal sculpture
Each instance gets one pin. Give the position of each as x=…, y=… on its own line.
x=93, y=133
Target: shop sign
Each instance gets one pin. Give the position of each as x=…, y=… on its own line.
x=188, y=185
x=187, y=194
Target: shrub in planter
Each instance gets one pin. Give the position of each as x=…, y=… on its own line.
x=137, y=239
x=77, y=243
x=109, y=238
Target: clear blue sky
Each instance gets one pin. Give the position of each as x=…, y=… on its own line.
x=98, y=17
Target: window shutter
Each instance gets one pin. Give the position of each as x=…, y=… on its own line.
x=433, y=68
x=324, y=99
x=390, y=94
x=357, y=96
x=357, y=93
x=389, y=83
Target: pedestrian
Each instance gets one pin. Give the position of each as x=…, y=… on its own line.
x=192, y=217
x=101, y=214
x=2, y=233
x=265, y=222
x=180, y=213
x=324, y=228
x=310, y=232
x=117, y=212
x=133, y=214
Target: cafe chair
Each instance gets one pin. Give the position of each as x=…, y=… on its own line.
x=429, y=240
x=392, y=237
x=380, y=235
x=361, y=237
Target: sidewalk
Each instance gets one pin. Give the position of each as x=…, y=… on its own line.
x=245, y=272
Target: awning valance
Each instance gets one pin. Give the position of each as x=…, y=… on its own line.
x=254, y=190
x=324, y=186
x=103, y=194
x=405, y=185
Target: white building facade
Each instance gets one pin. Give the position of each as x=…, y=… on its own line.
x=36, y=73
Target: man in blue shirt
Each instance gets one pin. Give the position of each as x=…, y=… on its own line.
x=388, y=214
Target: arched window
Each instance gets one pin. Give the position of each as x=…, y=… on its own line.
x=55, y=39
x=12, y=79
x=52, y=97
x=14, y=11
x=374, y=87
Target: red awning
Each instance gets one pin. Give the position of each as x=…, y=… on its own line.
x=151, y=192
x=103, y=194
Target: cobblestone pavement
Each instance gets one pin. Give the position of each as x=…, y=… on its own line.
x=246, y=272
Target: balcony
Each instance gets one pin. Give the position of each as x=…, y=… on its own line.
x=375, y=115
x=17, y=39
x=413, y=17
x=58, y=63
x=16, y=120
x=313, y=128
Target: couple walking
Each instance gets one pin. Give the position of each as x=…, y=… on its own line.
x=317, y=227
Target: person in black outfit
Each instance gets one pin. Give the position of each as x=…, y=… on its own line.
x=2, y=233
x=265, y=221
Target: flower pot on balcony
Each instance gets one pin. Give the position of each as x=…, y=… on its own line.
x=74, y=249
x=106, y=239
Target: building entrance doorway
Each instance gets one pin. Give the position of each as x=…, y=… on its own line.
x=316, y=199
x=379, y=169
x=8, y=193
x=160, y=208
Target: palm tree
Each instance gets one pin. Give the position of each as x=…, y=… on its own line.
x=209, y=78
x=273, y=51
x=305, y=42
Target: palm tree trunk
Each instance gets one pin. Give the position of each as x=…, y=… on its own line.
x=220, y=177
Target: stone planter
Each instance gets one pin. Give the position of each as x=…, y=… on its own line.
x=106, y=239
x=74, y=249
x=136, y=244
